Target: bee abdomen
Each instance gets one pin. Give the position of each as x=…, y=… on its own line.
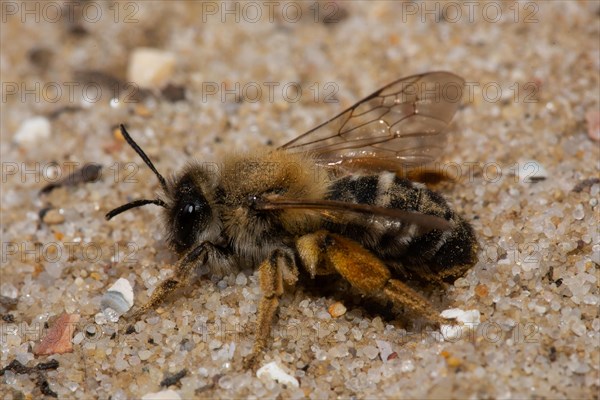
x=402, y=242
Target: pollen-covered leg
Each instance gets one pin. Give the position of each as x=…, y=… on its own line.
x=272, y=273
x=365, y=271
x=401, y=294
x=453, y=273
x=183, y=275
x=161, y=292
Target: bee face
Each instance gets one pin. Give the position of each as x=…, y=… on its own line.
x=188, y=215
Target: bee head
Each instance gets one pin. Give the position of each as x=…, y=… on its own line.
x=188, y=215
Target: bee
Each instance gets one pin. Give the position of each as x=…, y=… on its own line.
x=333, y=201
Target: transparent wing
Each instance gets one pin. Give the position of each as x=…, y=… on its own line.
x=401, y=125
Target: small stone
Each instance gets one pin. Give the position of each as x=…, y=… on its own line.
x=78, y=338
x=578, y=213
x=241, y=279
x=453, y=362
x=385, y=349
x=274, y=372
x=337, y=309
x=468, y=317
x=33, y=130
x=95, y=276
x=58, y=337
x=142, y=111
x=451, y=332
x=118, y=135
x=481, y=290
x=9, y=290
x=117, y=300
x=150, y=68
x=100, y=318
x=407, y=366
x=54, y=217
x=163, y=395
x=370, y=351
x=121, y=364
x=578, y=328
x=593, y=122
x=532, y=171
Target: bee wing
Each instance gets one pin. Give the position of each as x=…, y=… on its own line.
x=331, y=209
x=400, y=125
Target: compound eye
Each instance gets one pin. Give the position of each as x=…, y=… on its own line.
x=189, y=216
x=188, y=221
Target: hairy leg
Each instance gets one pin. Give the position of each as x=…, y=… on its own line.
x=184, y=272
x=363, y=270
x=278, y=268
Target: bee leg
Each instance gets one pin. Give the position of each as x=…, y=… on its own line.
x=183, y=275
x=364, y=271
x=278, y=268
x=453, y=273
x=430, y=278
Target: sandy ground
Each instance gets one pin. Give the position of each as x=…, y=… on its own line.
x=521, y=148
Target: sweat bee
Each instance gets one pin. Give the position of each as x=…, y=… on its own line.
x=358, y=217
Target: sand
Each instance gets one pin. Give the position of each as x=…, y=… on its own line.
x=521, y=148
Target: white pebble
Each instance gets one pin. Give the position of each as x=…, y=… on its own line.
x=357, y=334
x=370, y=351
x=118, y=298
x=54, y=269
x=385, y=349
x=539, y=309
x=451, y=332
x=144, y=354
x=78, y=338
x=275, y=372
x=407, y=366
x=468, y=317
x=164, y=395
x=33, y=130
x=119, y=395
x=532, y=171
x=225, y=382
x=121, y=364
x=241, y=279
x=578, y=328
x=578, y=213
x=9, y=290
x=10, y=378
x=100, y=318
x=150, y=68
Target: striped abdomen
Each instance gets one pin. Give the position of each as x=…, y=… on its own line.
x=401, y=244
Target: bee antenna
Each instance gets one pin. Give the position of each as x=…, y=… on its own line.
x=133, y=204
x=144, y=157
